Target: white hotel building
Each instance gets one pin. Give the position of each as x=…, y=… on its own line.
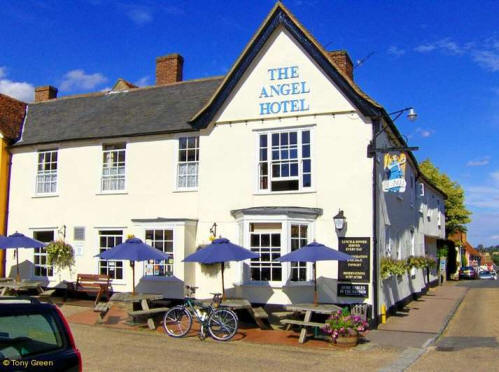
x=269, y=152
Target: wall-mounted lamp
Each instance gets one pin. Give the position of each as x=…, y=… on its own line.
x=339, y=220
x=213, y=231
x=62, y=231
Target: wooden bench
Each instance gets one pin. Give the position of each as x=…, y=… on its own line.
x=99, y=284
x=149, y=314
x=304, y=324
x=102, y=308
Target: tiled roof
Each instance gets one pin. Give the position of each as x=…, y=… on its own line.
x=142, y=111
x=12, y=114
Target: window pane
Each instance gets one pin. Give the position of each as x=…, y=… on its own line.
x=292, y=138
x=306, y=166
x=284, y=139
x=263, y=140
x=275, y=139
x=306, y=151
x=305, y=136
x=307, y=181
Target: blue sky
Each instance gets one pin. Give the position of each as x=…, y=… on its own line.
x=442, y=57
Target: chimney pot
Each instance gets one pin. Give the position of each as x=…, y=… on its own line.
x=169, y=69
x=45, y=93
x=342, y=60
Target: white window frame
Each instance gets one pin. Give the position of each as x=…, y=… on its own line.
x=269, y=132
x=44, y=254
x=103, y=151
x=178, y=163
x=124, y=276
x=148, y=241
x=286, y=222
x=45, y=173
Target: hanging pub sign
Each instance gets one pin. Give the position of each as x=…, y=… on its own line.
x=284, y=92
x=353, y=290
x=358, y=269
x=394, y=177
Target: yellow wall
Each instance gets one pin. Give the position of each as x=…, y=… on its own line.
x=4, y=182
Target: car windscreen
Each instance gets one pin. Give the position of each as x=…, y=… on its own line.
x=25, y=334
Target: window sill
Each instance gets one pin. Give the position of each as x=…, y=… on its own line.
x=288, y=284
x=284, y=192
x=36, y=196
x=151, y=278
x=186, y=190
x=112, y=193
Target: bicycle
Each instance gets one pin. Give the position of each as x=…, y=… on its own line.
x=221, y=322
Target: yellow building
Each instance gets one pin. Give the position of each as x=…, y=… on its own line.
x=12, y=114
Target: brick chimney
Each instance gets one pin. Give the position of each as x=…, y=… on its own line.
x=169, y=69
x=45, y=93
x=342, y=60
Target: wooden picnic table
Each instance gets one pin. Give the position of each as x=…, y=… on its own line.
x=257, y=313
x=144, y=310
x=308, y=310
x=24, y=285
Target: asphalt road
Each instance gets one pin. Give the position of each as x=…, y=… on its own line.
x=471, y=340
x=106, y=349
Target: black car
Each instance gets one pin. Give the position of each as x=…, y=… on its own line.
x=35, y=336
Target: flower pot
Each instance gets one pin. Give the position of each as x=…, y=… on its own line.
x=346, y=341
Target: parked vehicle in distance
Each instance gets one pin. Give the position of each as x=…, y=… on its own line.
x=35, y=336
x=486, y=275
x=467, y=272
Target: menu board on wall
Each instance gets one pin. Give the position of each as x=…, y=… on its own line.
x=358, y=269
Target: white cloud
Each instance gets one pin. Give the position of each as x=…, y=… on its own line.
x=20, y=90
x=78, y=79
x=479, y=162
x=488, y=59
x=485, y=53
x=396, y=51
x=139, y=15
x=143, y=81
x=425, y=133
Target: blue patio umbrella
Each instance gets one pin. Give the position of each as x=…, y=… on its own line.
x=314, y=252
x=133, y=249
x=18, y=240
x=221, y=251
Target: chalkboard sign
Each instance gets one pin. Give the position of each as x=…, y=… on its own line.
x=353, y=290
x=358, y=269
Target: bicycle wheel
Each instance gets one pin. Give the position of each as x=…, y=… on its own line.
x=177, y=321
x=222, y=324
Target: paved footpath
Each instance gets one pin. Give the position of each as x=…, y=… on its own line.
x=471, y=340
x=418, y=325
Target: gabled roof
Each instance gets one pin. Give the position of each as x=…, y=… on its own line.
x=12, y=114
x=138, y=112
x=122, y=84
x=281, y=16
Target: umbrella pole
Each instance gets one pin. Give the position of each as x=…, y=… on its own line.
x=132, y=263
x=315, y=283
x=18, y=276
x=223, y=285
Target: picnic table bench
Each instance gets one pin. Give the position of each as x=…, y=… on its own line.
x=306, y=323
x=99, y=284
x=145, y=311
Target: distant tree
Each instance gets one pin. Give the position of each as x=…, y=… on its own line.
x=480, y=247
x=456, y=214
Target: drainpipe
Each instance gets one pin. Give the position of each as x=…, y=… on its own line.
x=6, y=221
x=375, y=227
